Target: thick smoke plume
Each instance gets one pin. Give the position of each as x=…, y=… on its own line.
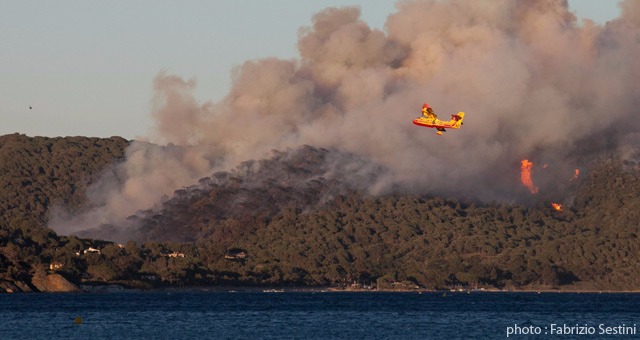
x=534, y=82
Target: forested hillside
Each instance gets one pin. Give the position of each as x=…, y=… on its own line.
x=277, y=222
x=38, y=172
x=420, y=240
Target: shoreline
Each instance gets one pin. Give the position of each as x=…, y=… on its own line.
x=142, y=286
x=322, y=289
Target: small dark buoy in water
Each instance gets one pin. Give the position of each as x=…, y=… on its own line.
x=77, y=320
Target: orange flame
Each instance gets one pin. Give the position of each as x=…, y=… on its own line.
x=556, y=206
x=525, y=176
x=576, y=173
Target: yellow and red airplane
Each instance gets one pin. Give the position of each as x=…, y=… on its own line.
x=430, y=119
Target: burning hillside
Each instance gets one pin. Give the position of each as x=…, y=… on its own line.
x=557, y=185
x=357, y=89
x=592, y=243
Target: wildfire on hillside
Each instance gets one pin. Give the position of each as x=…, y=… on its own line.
x=525, y=176
x=526, y=168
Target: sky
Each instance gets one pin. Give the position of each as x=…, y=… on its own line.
x=70, y=68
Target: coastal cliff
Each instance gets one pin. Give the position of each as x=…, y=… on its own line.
x=53, y=283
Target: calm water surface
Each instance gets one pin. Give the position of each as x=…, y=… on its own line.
x=313, y=315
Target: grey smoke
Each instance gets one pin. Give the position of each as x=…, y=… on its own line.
x=533, y=81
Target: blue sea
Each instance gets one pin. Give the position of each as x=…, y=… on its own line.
x=318, y=315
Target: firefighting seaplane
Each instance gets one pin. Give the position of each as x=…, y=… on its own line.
x=430, y=119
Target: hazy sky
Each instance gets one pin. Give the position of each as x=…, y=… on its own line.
x=86, y=67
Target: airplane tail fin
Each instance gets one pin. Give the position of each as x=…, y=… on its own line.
x=458, y=119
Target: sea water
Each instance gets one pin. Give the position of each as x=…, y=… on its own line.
x=318, y=315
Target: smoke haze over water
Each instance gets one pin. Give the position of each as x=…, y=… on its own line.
x=533, y=81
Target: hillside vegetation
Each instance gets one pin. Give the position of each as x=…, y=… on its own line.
x=39, y=172
x=280, y=222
